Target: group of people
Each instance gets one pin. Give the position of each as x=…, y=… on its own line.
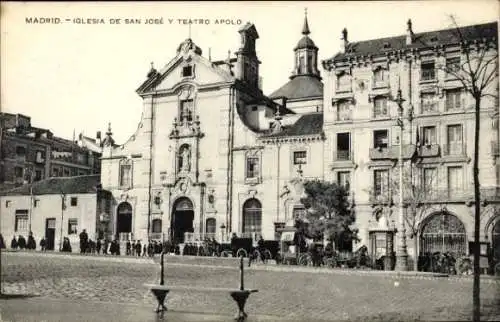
x=21, y=243
x=135, y=248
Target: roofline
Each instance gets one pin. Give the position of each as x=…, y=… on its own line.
x=407, y=48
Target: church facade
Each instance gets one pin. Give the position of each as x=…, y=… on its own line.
x=212, y=154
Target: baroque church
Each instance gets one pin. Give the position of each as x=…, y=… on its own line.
x=212, y=154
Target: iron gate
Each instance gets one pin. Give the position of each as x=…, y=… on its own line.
x=444, y=233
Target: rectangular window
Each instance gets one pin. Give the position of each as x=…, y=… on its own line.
x=344, y=111
x=66, y=172
x=40, y=156
x=454, y=100
x=187, y=71
x=429, y=135
x=428, y=102
x=380, y=107
x=299, y=212
x=428, y=71
x=455, y=143
x=453, y=64
x=55, y=172
x=429, y=181
x=344, y=179
x=381, y=183
x=20, y=151
x=455, y=181
x=187, y=108
x=252, y=167
x=380, y=139
x=36, y=203
x=125, y=175
x=299, y=157
x=343, y=146
x=74, y=201
x=38, y=175
x=19, y=172
x=72, y=226
x=379, y=76
x=344, y=83
x=21, y=223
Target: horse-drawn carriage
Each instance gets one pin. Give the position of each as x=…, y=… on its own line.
x=248, y=247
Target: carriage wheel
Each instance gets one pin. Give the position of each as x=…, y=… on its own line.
x=267, y=255
x=304, y=260
x=463, y=265
x=241, y=252
x=330, y=262
x=255, y=255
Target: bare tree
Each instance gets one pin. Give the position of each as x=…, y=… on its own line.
x=477, y=72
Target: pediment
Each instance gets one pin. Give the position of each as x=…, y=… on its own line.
x=186, y=67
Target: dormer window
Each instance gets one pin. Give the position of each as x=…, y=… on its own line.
x=387, y=45
x=187, y=71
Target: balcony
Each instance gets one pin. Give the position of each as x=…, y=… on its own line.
x=428, y=108
x=377, y=84
x=344, y=115
x=428, y=75
x=454, y=149
x=428, y=150
x=343, y=155
x=343, y=88
x=392, y=152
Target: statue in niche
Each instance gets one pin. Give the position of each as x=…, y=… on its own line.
x=185, y=159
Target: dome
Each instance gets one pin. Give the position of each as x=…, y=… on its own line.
x=305, y=42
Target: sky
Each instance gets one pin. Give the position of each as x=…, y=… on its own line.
x=71, y=76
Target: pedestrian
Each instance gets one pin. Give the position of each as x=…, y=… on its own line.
x=138, y=248
x=13, y=243
x=83, y=241
x=2, y=242
x=128, y=248
x=31, y=242
x=98, y=246
x=132, y=248
x=144, y=250
x=42, y=244
x=21, y=242
x=105, y=248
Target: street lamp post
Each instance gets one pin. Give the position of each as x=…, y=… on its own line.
x=401, y=252
x=63, y=206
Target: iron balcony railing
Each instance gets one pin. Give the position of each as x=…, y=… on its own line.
x=428, y=74
x=343, y=155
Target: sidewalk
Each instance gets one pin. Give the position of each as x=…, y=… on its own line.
x=47, y=310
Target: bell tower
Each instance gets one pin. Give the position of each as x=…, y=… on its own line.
x=247, y=65
x=306, y=54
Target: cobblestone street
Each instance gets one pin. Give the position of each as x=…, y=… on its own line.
x=286, y=294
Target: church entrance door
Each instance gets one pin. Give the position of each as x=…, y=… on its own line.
x=182, y=219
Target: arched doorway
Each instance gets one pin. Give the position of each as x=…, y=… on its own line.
x=252, y=218
x=210, y=227
x=123, y=218
x=182, y=219
x=495, y=240
x=443, y=232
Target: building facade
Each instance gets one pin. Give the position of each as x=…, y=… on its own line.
x=30, y=154
x=213, y=155
x=437, y=135
x=55, y=208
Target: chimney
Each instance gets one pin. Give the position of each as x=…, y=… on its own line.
x=409, y=33
x=345, y=42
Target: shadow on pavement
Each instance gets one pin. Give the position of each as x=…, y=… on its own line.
x=16, y=296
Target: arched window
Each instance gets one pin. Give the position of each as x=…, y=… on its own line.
x=252, y=218
x=156, y=226
x=443, y=233
x=495, y=238
x=210, y=226
x=124, y=218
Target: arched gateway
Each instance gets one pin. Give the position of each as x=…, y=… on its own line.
x=123, y=219
x=443, y=232
x=182, y=219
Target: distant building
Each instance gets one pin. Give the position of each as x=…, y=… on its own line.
x=30, y=154
x=56, y=207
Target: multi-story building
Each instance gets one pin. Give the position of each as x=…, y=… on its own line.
x=364, y=136
x=30, y=154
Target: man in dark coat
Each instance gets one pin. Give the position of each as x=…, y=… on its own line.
x=98, y=246
x=129, y=246
x=83, y=241
x=21, y=242
x=138, y=248
x=42, y=244
x=31, y=241
x=13, y=243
